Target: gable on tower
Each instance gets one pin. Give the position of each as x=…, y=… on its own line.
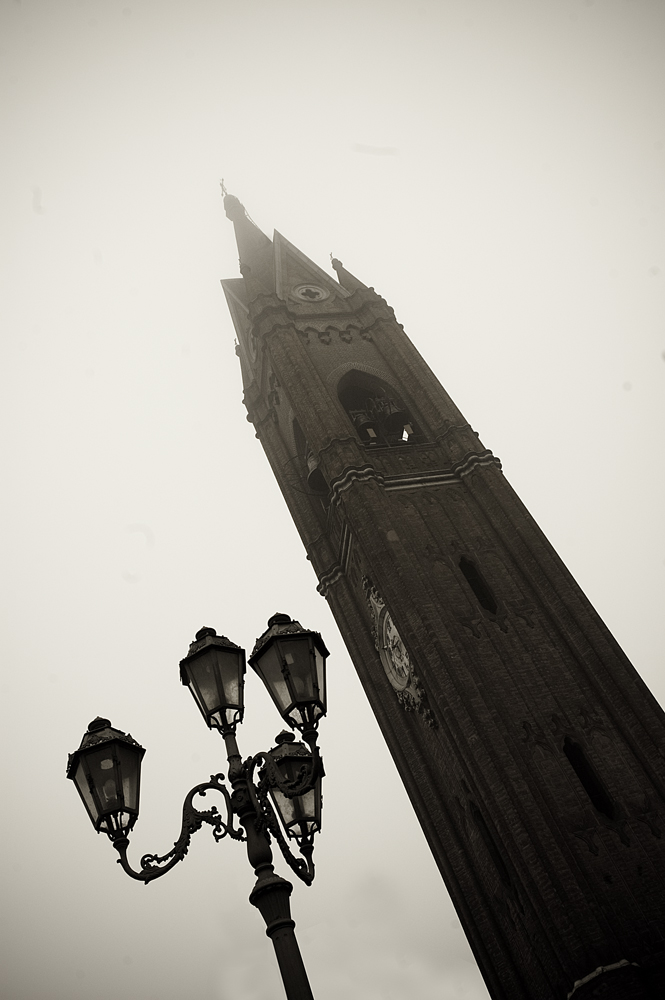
x=299, y=278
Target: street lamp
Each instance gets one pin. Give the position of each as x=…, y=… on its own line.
x=291, y=662
x=276, y=792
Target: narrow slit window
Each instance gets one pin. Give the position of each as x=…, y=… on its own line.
x=478, y=585
x=589, y=780
x=490, y=844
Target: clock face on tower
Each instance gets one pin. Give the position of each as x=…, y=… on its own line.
x=393, y=653
x=395, y=659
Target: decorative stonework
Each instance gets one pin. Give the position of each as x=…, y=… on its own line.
x=329, y=578
x=646, y=812
x=310, y=293
x=395, y=658
x=439, y=477
x=629, y=971
x=523, y=610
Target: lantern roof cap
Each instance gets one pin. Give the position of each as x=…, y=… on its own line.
x=207, y=636
x=289, y=748
x=99, y=731
x=279, y=624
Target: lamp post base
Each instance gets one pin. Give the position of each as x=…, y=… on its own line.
x=270, y=896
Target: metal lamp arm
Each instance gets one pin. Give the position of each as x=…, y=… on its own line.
x=153, y=865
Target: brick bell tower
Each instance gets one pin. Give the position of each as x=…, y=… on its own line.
x=530, y=748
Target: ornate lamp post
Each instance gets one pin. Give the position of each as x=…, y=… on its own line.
x=275, y=794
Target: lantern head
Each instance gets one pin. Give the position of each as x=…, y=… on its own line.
x=291, y=762
x=214, y=671
x=291, y=662
x=106, y=770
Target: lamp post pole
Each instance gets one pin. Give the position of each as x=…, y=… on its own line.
x=271, y=893
x=106, y=770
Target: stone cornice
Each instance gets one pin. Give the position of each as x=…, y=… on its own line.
x=413, y=480
x=330, y=577
x=268, y=313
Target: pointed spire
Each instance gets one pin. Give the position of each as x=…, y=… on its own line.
x=254, y=249
x=345, y=278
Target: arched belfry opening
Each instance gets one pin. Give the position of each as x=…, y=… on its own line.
x=377, y=412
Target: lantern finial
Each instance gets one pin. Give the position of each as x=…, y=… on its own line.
x=284, y=737
x=203, y=632
x=98, y=723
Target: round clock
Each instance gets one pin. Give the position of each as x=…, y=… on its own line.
x=394, y=656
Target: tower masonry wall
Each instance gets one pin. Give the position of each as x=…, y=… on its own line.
x=531, y=750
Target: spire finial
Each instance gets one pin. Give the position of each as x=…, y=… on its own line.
x=223, y=187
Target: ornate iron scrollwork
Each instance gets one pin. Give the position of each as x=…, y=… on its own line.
x=154, y=865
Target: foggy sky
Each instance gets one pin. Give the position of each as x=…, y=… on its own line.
x=495, y=170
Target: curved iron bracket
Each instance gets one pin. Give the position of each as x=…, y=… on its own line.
x=153, y=865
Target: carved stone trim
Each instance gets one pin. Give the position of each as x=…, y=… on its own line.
x=330, y=577
x=647, y=813
x=415, y=480
x=523, y=610
x=338, y=569
x=351, y=476
x=600, y=971
x=441, y=477
x=345, y=546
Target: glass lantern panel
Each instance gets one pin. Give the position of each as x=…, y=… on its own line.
x=117, y=822
x=197, y=698
x=296, y=716
x=233, y=715
x=105, y=777
x=298, y=660
x=130, y=768
x=285, y=808
x=320, y=675
x=230, y=670
x=306, y=806
x=203, y=683
x=81, y=782
x=269, y=666
x=299, y=814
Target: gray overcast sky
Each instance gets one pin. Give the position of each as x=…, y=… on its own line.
x=495, y=169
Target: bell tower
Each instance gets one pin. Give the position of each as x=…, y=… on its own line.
x=529, y=746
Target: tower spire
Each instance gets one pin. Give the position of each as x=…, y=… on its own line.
x=255, y=249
